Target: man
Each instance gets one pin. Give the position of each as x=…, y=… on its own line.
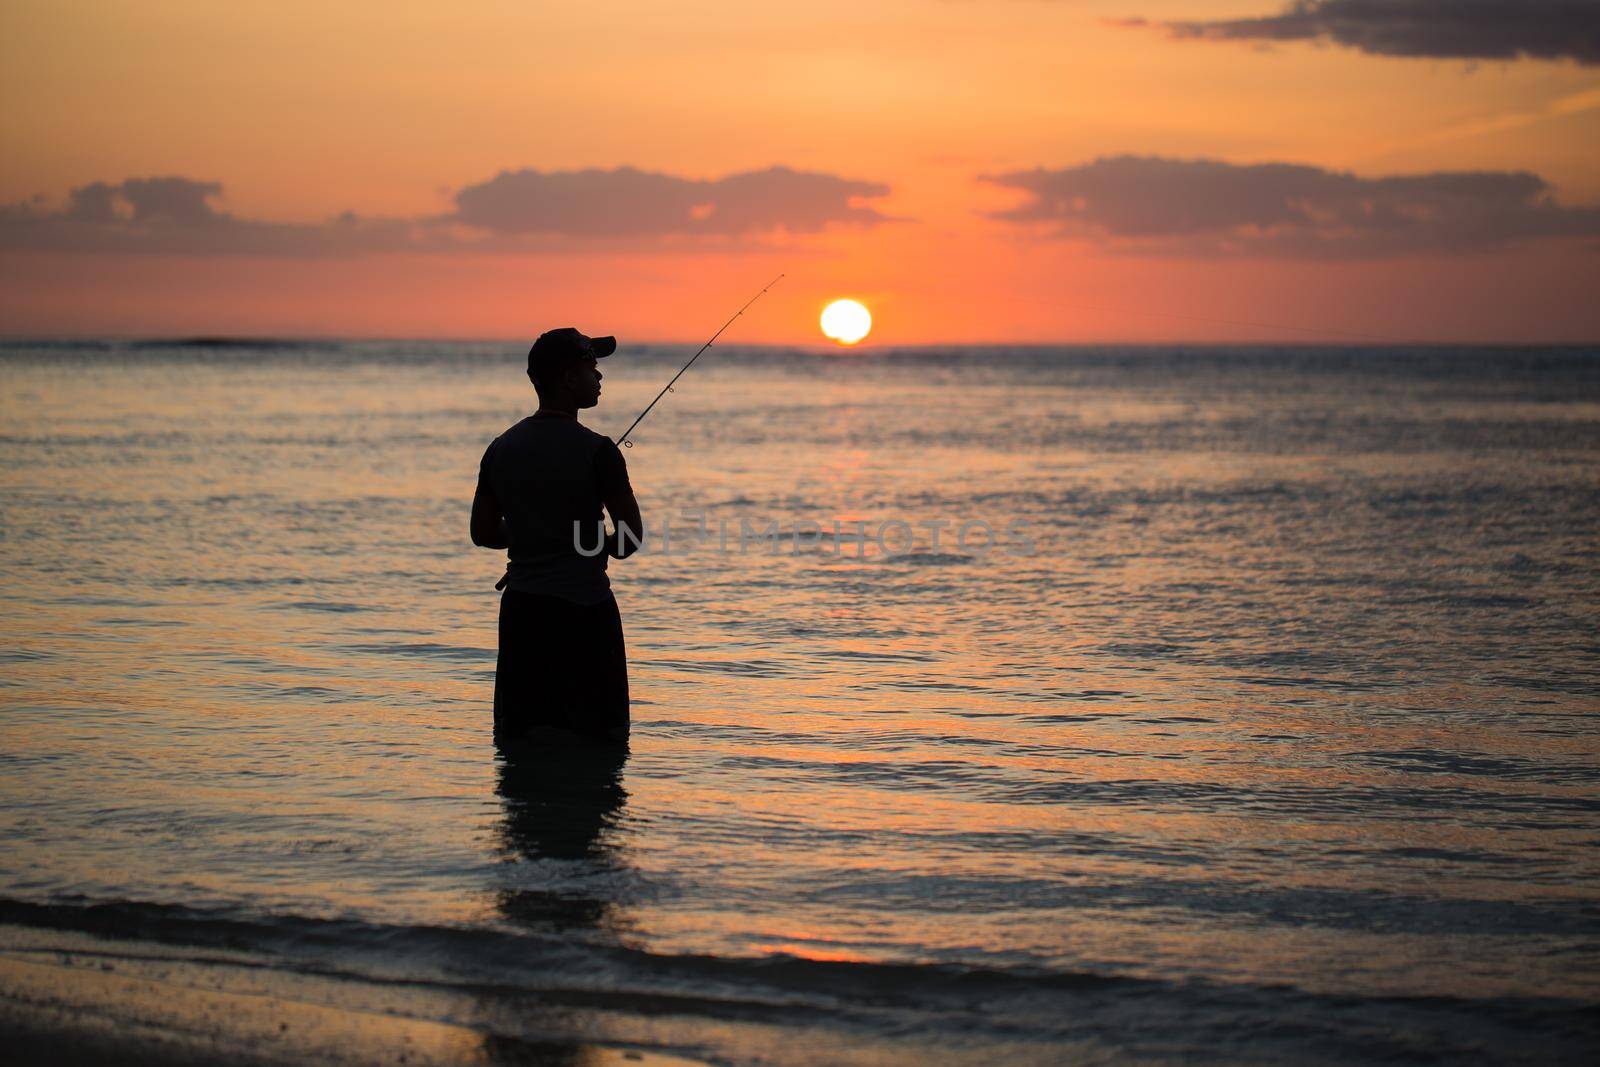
x=562, y=672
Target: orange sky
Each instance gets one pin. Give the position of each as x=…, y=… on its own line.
x=389, y=110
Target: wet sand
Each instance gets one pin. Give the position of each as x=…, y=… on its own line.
x=84, y=1007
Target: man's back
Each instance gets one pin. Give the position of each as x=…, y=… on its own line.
x=551, y=476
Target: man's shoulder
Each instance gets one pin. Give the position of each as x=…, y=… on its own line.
x=565, y=434
x=508, y=434
x=521, y=426
x=599, y=439
x=574, y=430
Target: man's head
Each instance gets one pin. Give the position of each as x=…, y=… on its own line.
x=561, y=365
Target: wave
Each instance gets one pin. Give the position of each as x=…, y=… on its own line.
x=455, y=955
x=1000, y=1006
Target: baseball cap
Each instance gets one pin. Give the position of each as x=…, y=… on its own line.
x=556, y=350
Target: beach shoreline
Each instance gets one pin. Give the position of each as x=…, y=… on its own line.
x=66, y=1006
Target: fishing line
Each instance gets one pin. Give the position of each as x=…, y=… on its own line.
x=623, y=440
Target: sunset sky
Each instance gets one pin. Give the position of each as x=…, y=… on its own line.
x=971, y=170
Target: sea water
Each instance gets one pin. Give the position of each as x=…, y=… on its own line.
x=989, y=705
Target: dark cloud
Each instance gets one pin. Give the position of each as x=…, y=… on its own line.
x=175, y=215
x=177, y=201
x=1210, y=208
x=623, y=202
x=1445, y=29
x=516, y=210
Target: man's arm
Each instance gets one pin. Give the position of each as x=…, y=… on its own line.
x=488, y=521
x=627, y=532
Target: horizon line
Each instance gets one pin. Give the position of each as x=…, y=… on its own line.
x=202, y=340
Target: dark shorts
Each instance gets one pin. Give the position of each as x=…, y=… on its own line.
x=562, y=670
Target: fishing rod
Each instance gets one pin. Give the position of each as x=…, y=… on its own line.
x=623, y=440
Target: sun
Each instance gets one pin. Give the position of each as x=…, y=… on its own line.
x=846, y=321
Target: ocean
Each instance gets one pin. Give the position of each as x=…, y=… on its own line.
x=990, y=705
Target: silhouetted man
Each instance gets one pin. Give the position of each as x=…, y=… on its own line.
x=562, y=672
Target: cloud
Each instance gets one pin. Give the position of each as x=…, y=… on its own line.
x=514, y=211
x=1212, y=208
x=1444, y=29
x=149, y=201
x=629, y=202
x=175, y=215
